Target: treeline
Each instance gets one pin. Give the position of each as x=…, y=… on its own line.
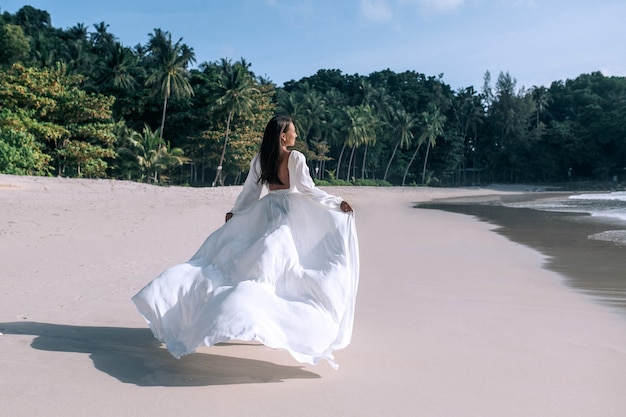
x=77, y=102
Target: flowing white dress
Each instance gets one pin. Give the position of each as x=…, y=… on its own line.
x=283, y=271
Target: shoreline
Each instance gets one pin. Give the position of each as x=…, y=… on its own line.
x=593, y=267
x=452, y=319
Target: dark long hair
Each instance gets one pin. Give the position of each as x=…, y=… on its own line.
x=270, y=148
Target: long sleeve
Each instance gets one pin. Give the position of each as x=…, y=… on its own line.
x=252, y=187
x=304, y=183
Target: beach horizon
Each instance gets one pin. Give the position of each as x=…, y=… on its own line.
x=452, y=318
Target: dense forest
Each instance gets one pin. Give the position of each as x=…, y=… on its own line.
x=77, y=102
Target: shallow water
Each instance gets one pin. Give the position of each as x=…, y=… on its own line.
x=608, y=209
x=583, y=238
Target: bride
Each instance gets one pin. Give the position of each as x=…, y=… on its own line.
x=283, y=270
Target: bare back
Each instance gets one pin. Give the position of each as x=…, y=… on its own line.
x=283, y=174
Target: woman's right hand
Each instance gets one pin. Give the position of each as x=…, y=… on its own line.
x=345, y=207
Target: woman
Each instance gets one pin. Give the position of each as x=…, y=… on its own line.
x=283, y=269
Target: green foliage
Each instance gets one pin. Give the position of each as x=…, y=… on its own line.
x=357, y=182
x=235, y=91
x=154, y=156
x=333, y=182
x=19, y=152
x=371, y=183
x=70, y=125
x=14, y=45
x=168, y=75
x=62, y=89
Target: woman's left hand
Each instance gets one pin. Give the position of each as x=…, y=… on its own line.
x=345, y=207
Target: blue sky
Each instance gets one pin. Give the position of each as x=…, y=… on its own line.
x=536, y=41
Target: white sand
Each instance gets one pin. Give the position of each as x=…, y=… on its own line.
x=452, y=319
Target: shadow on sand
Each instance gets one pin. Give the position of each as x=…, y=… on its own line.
x=133, y=356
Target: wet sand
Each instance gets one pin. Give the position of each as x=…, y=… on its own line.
x=594, y=267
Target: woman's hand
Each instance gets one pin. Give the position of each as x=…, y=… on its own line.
x=229, y=215
x=345, y=207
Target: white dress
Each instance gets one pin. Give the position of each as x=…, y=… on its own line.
x=283, y=271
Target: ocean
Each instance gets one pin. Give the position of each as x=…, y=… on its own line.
x=608, y=209
x=583, y=236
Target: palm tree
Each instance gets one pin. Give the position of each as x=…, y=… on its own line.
x=146, y=148
x=169, y=76
x=361, y=131
x=101, y=39
x=433, y=127
x=541, y=97
x=335, y=122
x=117, y=69
x=153, y=154
x=287, y=102
x=312, y=113
x=403, y=123
x=235, y=95
x=470, y=114
x=319, y=151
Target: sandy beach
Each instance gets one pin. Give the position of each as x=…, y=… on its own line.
x=452, y=319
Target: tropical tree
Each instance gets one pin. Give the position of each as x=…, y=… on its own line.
x=89, y=160
x=69, y=124
x=402, y=124
x=432, y=122
x=361, y=131
x=154, y=155
x=469, y=114
x=169, y=76
x=117, y=70
x=76, y=50
x=287, y=102
x=311, y=114
x=20, y=153
x=14, y=45
x=541, y=97
x=511, y=119
x=335, y=124
x=101, y=40
x=33, y=20
x=235, y=89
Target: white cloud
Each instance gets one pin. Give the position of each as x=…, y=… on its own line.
x=376, y=10
x=519, y=3
x=442, y=5
x=435, y=6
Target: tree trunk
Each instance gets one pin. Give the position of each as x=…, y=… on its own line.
x=409, y=164
x=425, y=162
x=343, y=148
x=163, y=119
x=350, y=164
x=364, y=159
x=219, y=175
x=393, y=154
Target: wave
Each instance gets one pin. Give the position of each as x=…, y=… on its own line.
x=614, y=196
x=610, y=207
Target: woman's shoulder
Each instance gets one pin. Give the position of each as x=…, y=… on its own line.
x=296, y=155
